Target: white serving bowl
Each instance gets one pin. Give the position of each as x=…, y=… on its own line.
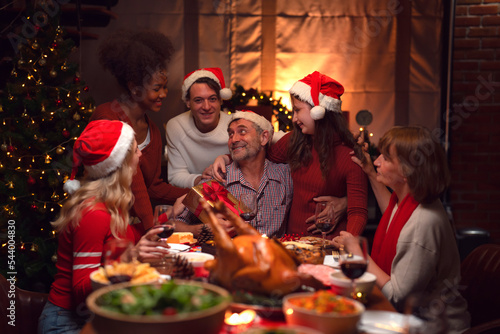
x=197, y=259
x=342, y=284
x=326, y=323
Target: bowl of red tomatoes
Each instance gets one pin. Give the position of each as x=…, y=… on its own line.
x=323, y=311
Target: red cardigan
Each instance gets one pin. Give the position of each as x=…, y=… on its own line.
x=345, y=179
x=146, y=184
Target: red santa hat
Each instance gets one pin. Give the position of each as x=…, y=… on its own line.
x=213, y=73
x=101, y=149
x=320, y=91
x=261, y=121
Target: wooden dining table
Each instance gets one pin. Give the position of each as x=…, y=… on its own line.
x=376, y=302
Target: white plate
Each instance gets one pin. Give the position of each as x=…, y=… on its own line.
x=329, y=261
x=175, y=248
x=385, y=322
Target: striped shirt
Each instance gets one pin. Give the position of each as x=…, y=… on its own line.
x=274, y=197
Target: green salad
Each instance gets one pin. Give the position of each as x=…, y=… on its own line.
x=166, y=299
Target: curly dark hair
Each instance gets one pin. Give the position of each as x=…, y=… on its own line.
x=333, y=124
x=135, y=56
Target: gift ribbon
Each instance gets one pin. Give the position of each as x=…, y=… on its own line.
x=213, y=193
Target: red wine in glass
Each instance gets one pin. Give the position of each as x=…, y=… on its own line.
x=168, y=230
x=247, y=216
x=324, y=226
x=353, y=270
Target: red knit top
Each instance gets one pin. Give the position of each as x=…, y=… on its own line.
x=344, y=179
x=79, y=253
x=146, y=184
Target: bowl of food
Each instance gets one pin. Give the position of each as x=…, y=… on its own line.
x=342, y=284
x=177, y=306
x=323, y=311
x=139, y=273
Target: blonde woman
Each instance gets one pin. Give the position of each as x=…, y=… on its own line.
x=97, y=212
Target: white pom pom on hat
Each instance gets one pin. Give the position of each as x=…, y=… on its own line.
x=101, y=149
x=320, y=91
x=213, y=73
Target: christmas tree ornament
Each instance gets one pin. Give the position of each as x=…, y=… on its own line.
x=54, y=197
x=25, y=113
x=53, y=73
x=11, y=97
x=34, y=207
x=60, y=150
x=11, y=148
x=65, y=133
x=59, y=102
x=76, y=116
x=64, y=67
x=42, y=62
x=13, y=73
x=76, y=80
x=31, y=180
x=86, y=88
x=53, y=258
x=43, y=108
x=10, y=185
x=20, y=62
x=34, y=247
x=53, y=46
x=4, y=147
x=47, y=159
x=35, y=45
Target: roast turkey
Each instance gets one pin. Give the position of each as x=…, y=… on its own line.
x=250, y=261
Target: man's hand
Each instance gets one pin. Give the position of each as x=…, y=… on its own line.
x=219, y=167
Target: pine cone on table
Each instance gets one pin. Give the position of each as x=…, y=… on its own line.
x=182, y=268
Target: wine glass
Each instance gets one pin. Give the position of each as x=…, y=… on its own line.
x=120, y=256
x=163, y=217
x=425, y=313
x=354, y=259
x=325, y=218
x=247, y=205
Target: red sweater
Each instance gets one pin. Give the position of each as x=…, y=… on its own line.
x=345, y=179
x=146, y=184
x=79, y=253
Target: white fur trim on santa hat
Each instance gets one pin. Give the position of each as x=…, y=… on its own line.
x=303, y=91
x=317, y=112
x=261, y=121
x=225, y=93
x=116, y=156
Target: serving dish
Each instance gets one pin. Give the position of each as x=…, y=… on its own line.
x=209, y=320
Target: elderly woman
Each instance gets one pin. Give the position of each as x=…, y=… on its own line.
x=414, y=250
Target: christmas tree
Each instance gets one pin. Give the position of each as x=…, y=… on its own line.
x=42, y=112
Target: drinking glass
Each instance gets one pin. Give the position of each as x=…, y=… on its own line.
x=163, y=217
x=247, y=206
x=325, y=218
x=120, y=256
x=354, y=259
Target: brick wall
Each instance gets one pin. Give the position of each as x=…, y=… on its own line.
x=475, y=117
